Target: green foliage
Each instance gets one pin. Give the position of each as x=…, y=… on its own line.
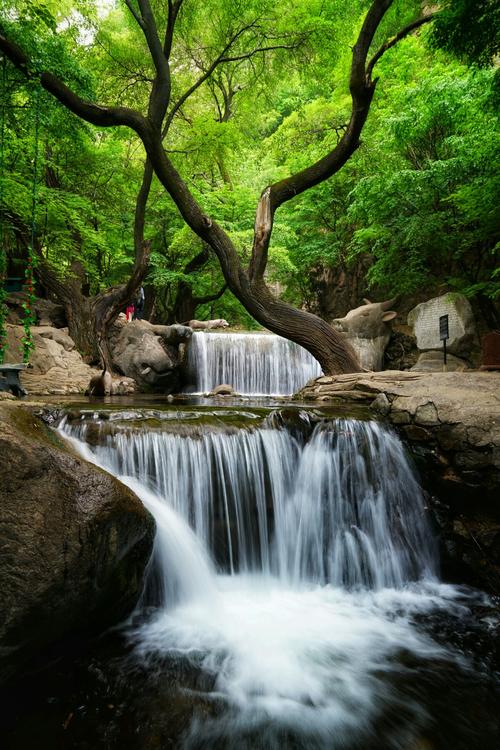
x=417, y=199
x=431, y=217
x=469, y=29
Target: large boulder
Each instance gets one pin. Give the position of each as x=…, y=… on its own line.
x=424, y=319
x=74, y=542
x=150, y=354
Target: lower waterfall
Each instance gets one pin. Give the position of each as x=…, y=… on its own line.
x=252, y=363
x=289, y=570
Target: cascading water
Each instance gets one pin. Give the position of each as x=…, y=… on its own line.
x=252, y=363
x=327, y=556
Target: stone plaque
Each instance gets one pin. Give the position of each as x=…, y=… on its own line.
x=425, y=319
x=490, y=346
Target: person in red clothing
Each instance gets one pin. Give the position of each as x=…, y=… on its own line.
x=129, y=311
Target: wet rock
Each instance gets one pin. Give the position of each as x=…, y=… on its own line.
x=381, y=404
x=74, y=543
x=223, y=390
x=414, y=432
x=297, y=421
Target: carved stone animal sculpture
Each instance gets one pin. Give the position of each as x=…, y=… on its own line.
x=368, y=329
x=150, y=354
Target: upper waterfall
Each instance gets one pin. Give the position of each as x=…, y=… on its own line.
x=252, y=363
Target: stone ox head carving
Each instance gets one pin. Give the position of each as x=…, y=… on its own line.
x=150, y=354
x=368, y=329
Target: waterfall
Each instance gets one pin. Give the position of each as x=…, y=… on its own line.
x=252, y=363
x=288, y=568
x=342, y=507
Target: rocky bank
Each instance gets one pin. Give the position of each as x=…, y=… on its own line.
x=74, y=543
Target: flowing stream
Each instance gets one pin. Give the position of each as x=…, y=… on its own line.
x=291, y=568
x=252, y=363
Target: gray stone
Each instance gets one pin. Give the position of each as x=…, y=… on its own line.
x=381, y=404
x=427, y=415
x=400, y=417
x=424, y=319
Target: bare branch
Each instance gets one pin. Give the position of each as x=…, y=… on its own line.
x=248, y=55
x=136, y=16
x=173, y=11
x=395, y=39
x=150, y=31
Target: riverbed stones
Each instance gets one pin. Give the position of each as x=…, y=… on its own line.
x=424, y=319
x=74, y=543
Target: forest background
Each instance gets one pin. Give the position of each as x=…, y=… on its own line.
x=413, y=212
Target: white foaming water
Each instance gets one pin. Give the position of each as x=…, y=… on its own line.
x=329, y=556
x=253, y=363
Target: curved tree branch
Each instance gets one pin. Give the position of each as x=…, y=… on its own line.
x=397, y=38
x=96, y=114
x=210, y=297
x=362, y=89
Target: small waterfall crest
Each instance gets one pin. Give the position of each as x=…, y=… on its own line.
x=252, y=363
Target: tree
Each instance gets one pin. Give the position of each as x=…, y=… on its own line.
x=416, y=208
x=248, y=285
